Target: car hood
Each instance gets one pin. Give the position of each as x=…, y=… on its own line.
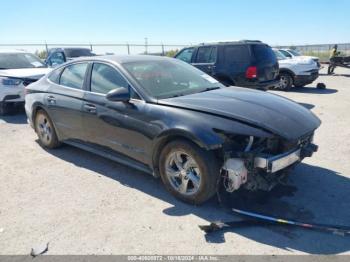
x=304, y=57
x=271, y=112
x=32, y=73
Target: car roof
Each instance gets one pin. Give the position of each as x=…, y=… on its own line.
x=120, y=59
x=238, y=42
x=70, y=48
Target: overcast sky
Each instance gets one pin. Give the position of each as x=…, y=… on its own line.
x=179, y=21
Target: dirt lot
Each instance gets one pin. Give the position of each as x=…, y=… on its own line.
x=84, y=204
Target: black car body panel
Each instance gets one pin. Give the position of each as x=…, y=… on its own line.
x=229, y=61
x=271, y=112
x=137, y=130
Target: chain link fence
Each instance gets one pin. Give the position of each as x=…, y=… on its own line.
x=322, y=51
x=101, y=49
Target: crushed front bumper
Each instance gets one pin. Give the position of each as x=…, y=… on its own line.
x=273, y=164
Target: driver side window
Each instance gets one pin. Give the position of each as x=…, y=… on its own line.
x=105, y=78
x=186, y=55
x=56, y=58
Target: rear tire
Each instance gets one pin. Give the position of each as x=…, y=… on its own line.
x=286, y=82
x=45, y=130
x=189, y=172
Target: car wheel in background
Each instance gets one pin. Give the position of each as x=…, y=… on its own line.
x=189, y=172
x=45, y=130
x=286, y=82
x=331, y=69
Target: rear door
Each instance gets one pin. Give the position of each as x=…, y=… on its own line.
x=266, y=62
x=205, y=59
x=65, y=100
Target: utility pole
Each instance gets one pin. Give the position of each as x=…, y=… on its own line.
x=146, y=45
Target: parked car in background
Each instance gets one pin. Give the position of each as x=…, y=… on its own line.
x=290, y=53
x=17, y=70
x=165, y=117
x=243, y=63
x=296, y=72
x=57, y=56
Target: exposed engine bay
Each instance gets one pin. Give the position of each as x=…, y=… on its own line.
x=262, y=163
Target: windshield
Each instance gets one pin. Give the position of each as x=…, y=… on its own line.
x=293, y=52
x=279, y=55
x=170, y=78
x=77, y=52
x=19, y=60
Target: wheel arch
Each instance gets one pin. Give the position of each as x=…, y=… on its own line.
x=37, y=107
x=210, y=143
x=287, y=71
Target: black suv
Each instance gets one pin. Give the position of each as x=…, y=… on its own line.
x=57, y=56
x=243, y=63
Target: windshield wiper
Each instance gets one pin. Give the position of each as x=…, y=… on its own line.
x=209, y=89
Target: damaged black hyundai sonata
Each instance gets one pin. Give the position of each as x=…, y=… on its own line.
x=165, y=117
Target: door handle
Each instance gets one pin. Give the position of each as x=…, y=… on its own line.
x=90, y=108
x=51, y=100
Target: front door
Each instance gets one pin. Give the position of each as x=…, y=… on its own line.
x=116, y=125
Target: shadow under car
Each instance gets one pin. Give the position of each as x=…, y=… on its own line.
x=315, y=194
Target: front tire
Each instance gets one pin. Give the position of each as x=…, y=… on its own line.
x=189, y=172
x=286, y=82
x=45, y=130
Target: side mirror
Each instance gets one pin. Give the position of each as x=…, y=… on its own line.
x=120, y=94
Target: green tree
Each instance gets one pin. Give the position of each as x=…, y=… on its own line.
x=171, y=53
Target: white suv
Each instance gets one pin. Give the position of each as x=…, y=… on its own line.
x=296, y=72
x=17, y=69
x=290, y=53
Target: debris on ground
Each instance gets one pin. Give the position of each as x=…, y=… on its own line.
x=39, y=249
x=321, y=86
x=254, y=219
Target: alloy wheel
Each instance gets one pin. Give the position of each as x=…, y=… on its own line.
x=44, y=129
x=284, y=82
x=183, y=173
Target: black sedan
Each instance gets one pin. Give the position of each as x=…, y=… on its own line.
x=167, y=118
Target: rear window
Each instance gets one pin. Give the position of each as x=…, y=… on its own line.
x=237, y=53
x=77, y=52
x=73, y=76
x=263, y=53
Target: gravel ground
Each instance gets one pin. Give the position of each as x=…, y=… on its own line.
x=84, y=204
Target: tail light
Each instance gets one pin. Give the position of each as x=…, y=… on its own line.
x=251, y=72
